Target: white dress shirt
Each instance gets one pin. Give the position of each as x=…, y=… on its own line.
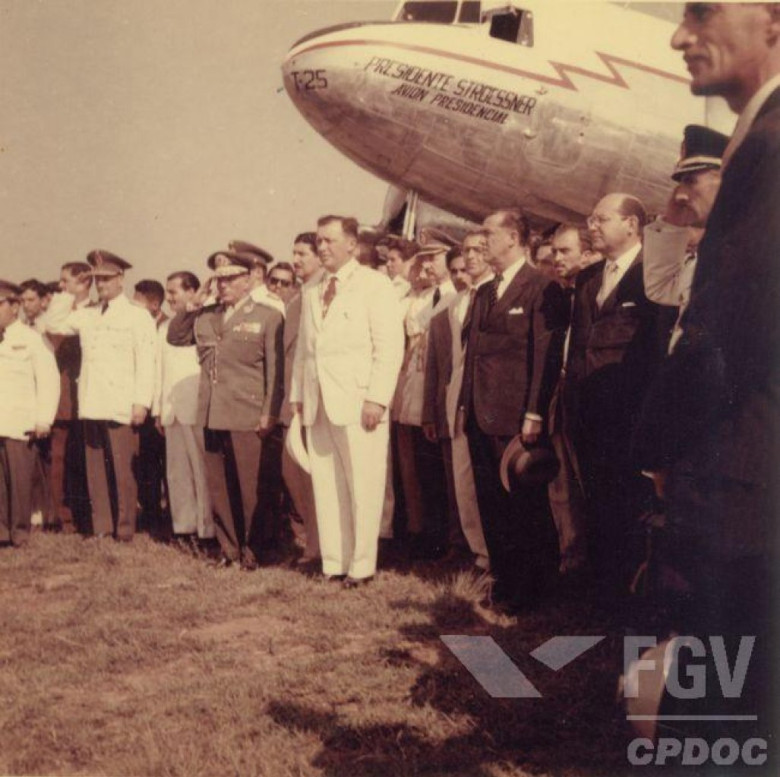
x=614, y=270
x=176, y=385
x=508, y=275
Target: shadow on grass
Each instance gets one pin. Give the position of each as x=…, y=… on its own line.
x=576, y=728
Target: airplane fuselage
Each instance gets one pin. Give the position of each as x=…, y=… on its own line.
x=597, y=104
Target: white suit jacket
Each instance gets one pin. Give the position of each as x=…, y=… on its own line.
x=117, y=356
x=176, y=385
x=30, y=382
x=352, y=355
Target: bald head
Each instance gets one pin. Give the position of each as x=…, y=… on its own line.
x=616, y=224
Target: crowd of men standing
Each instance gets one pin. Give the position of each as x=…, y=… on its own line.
x=520, y=399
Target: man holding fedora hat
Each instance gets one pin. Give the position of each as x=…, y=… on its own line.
x=513, y=357
x=241, y=352
x=116, y=386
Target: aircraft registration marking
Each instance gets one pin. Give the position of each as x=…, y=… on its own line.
x=564, y=81
x=443, y=90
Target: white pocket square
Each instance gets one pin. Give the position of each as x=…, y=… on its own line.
x=515, y=311
x=628, y=304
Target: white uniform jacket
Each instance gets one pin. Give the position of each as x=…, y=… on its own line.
x=354, y=353
x=30, y=382
x=177, y=381
x=118, y=349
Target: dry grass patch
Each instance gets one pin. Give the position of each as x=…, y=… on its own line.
x=139, y=659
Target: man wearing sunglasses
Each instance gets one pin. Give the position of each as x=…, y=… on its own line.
x=281, y=282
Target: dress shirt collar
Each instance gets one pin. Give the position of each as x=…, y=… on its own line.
x=508, y=275
x=748, y=116
x=343, y=274
x=446, y=288
x=625, y=260
x=13, y=327
x=486, y=279
x=118, y=301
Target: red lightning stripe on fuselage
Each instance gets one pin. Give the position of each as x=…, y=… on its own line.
x=563, y=69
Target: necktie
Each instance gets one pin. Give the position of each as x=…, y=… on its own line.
x=608, y=282
x=327, y=297
x=494, y=284
x=436, y=296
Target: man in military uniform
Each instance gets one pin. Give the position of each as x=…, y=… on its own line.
x=241, y=353
x=29, y=392
x=115, y=391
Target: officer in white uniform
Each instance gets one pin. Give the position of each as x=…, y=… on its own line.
x=116, y=386
x=29, y=394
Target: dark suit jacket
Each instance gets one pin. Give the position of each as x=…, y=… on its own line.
x=242, y=363
x=514, y=351
x=613, y=353
x=438, y=371
x=716, y=404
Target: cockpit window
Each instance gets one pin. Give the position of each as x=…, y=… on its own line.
x=470, y=12
x=511, y=24
x=441, y=12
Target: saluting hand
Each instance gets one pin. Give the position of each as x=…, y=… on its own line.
x=371, y=415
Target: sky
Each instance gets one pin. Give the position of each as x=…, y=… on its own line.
x=160, y=130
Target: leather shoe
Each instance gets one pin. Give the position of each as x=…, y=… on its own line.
x=357, y=582
x=333, y=578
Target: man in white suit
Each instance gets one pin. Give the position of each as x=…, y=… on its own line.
x=175, y=410
x=346, y=365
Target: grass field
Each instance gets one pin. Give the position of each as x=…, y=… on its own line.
x=140, y=659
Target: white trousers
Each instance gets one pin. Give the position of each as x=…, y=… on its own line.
x=349, y=471
x=187, y=486
x=300, y=487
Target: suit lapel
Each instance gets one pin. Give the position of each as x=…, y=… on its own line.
x=512, y=292
x=611, y=301
x=339, y=300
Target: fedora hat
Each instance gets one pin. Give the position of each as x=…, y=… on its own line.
x=521, y=466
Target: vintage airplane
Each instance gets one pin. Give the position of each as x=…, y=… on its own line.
x=475, y=105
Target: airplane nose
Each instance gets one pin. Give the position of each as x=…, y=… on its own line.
x=327, y=76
